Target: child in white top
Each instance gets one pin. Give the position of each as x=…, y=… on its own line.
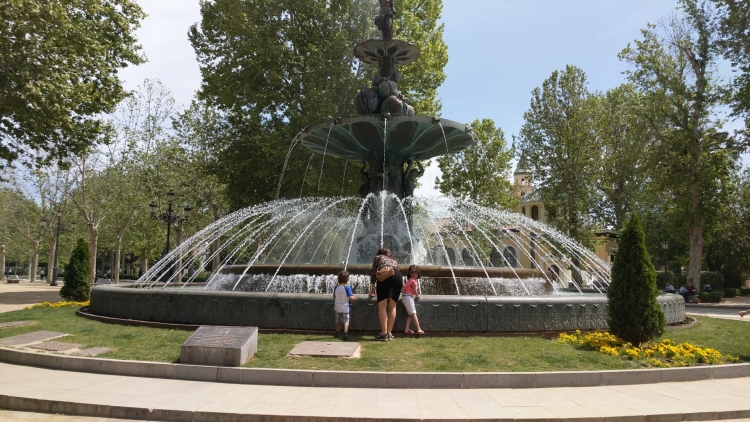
x=342, y=297
x=408, y=294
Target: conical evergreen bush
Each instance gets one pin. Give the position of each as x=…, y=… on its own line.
x=77, y=279
x=633, y=314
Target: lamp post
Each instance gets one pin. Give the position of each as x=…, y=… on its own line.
x=59, y=213
x=665, y=246
x=168, y=217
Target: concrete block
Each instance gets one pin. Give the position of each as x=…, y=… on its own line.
x=665, y=417
x=498, y=380
x=734, y=414
x=196, y=372
x=80, y=364
x=44, y=360
x=26, y=404
x=424, y=380
x=90, y=409
x=567, y=379
x=702, y=416
x=277, y=377
x=220, y=346
x=199, y=416
x=737, y=370
x=135, y=413
x=248, y=417
x=11, y=356
x=3, y=401
x=350, y=379
x=230, y=375
x=171, y=415
x=685, y=374
x=631, y=376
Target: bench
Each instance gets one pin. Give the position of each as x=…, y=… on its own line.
x=13, y=279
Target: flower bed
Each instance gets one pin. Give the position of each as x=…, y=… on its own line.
x=663, y=354
x=59, y=305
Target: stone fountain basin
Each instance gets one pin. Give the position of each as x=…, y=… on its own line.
x=307, y=311
x=360, y=138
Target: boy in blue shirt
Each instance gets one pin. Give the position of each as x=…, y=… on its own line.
x=342, y=296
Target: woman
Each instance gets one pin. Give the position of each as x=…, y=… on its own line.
x=387, y=291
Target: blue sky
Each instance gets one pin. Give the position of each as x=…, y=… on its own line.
x=499, y=51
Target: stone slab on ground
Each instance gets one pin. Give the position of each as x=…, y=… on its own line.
x=15, y=324
x=30, y=338
x=220, y=346
x=326, y=349
x=93, y=351
x=54, y=346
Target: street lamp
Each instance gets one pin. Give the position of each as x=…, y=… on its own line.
x=167, y=217
x=57, y=244
x=665, y=246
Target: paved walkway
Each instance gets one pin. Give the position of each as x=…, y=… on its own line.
x=14, y=296
x=161, y=399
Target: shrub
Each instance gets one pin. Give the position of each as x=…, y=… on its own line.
x=711, y=296
x=731, y=292
x=714, y=278
x=732, y=278
x=744, y=292
x=679, y=280
x=633, y=314
x=129, y=277
x=77, y=280
x=661, y=280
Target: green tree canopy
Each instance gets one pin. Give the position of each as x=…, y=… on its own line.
x=274, y=68
x=58, y=72
x=557, y=140
x=482, y=171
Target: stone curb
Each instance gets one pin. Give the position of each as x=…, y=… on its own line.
x=26, y=404
x=364, y=379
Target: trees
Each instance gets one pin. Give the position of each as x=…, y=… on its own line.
x=481, y=172
x=557, y=140
x=274, y=68
x=77, y=279
x=672, y=65
x=621, y=137
x=58, y=72
x=633, y=314
x=732, y=20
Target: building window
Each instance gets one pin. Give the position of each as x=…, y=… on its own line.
x=523, y=210
x=510, y=257
x=466, y=257
x=535, y=212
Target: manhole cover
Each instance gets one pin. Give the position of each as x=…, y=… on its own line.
x=327, y=349
x=54, y=346
x=94, y=351
x=15, y=324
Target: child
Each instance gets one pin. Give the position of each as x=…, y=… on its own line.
x=408, y=294
x=342, y=296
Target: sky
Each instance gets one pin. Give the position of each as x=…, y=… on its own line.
x=499, y=51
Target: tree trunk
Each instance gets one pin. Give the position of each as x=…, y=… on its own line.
x=217, y=243
x=34, y=262
x=51, y=259
x=93, y=240
x=116, y=269
x=696, y=252
x=2, y=262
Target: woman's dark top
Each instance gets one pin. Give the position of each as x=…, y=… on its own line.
x=390, y=287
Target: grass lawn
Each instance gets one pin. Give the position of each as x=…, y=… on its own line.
x=449, y=354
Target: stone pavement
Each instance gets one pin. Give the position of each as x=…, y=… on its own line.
x=726, y=309
x=14, y=297
x=33, y=389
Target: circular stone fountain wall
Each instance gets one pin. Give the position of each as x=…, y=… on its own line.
x=306, y=311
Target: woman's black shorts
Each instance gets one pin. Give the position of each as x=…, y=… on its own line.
x=390, y=287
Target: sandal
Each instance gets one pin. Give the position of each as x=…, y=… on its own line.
x=420, y=332
x=409, y=332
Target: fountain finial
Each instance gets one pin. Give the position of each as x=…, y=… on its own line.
x=384, y=20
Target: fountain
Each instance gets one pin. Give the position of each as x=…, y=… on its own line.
x=484, y=270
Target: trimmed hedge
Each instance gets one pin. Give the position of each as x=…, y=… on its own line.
x=732, y=278
x=731, y=292
x=711, y=296
x=744, y=292
x=714, y=278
